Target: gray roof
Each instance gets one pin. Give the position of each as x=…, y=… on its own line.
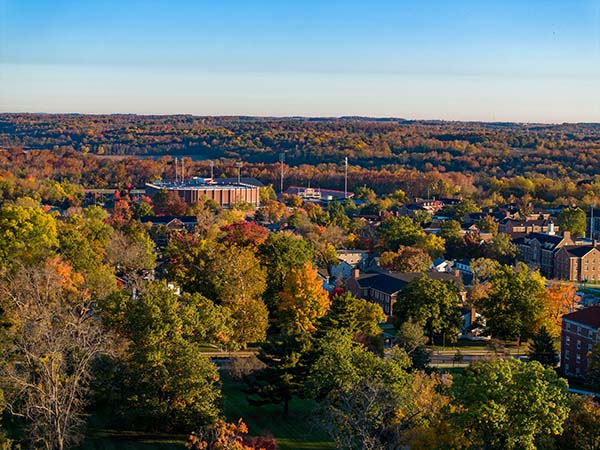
x=392, y=282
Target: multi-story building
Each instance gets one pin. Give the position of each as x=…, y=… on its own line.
x=518, y=227
x=538, y=249
x=578, y=263
x=580, y=332
x=226, y=192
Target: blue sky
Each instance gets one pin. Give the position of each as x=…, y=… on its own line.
x=462, y=60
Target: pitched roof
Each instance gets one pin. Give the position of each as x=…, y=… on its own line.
x=579, y=251
x=392, y=282
x=587, y=316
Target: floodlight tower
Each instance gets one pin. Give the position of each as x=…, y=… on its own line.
x=346, y=177
x=281, y=159
x=239, y=167
x=212, y=170
x=176, y=170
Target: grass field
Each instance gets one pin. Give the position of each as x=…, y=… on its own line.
x=129, y=440
x=294, y=432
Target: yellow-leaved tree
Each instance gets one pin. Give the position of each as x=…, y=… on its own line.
x=302, y=301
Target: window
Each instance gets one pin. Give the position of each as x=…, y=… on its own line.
x=578, y=344
x=578, y=358
x=568, y=326
x=578, y=330
x=567, y=355
x=567, y=340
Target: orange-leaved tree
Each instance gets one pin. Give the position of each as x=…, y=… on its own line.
x=302, y=301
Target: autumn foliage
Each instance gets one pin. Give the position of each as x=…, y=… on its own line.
x=229, y=436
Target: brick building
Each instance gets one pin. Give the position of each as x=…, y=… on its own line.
x=580, y=332
x=538, y=249
x=578, y=263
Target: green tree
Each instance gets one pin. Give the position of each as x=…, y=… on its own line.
x=166, y=382
x=397, y=231
x=28, y=233
x=542, y=350
x=282, y=377
x=412, y=339
x=279, y=254
x=369, y=402
x=582, y=427
x=593, y=373
x=432, y=304
x=502, y=249
x=573, y=220
x=359, y=317
x=514, y=301
x=508, y=404
x=451, y=232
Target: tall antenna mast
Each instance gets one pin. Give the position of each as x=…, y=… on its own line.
x=239, y=166
x=182, y=171
x=346, y=178
x=212, y=170
x=176, y=170
x=281, y=158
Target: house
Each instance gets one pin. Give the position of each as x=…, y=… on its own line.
x=538, y=250
x=578, y=263
x=429, y=206
x=579, y=334
x=383, y=287
x=172, y=222
x=348, y=260
x=442, y=265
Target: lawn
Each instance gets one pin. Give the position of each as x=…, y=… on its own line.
x=294, y=432
x=129, y=440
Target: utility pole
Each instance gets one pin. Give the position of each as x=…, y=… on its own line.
x=182, y=171
x=281, y=159
x=212, y=170
x=239, y=166
x=176, y=170
x=346, y=178
x=592, y=221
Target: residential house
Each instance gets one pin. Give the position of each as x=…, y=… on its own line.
x=442, y=265
x=578, y=263
x=348, y=260
x=580, y=332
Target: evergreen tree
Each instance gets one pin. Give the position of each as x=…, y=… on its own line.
x=542, y=349
x=282, y=377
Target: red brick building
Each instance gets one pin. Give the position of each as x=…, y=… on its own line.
x=580, y=332
x=577, y=263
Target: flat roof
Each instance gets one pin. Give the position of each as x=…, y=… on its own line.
x=191, y=186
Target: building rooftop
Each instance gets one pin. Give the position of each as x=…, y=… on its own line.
x=197, y=183
x=579, y=250
x=587, y=316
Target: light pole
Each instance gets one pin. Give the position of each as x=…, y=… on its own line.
x=239, y=167
x=281, y=159
x=346, y=178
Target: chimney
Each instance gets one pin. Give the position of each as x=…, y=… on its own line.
x=355, y=272
x=566, y=234
x=551, y=231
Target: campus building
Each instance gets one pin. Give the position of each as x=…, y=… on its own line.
x=226, y=192
x=580, y=332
